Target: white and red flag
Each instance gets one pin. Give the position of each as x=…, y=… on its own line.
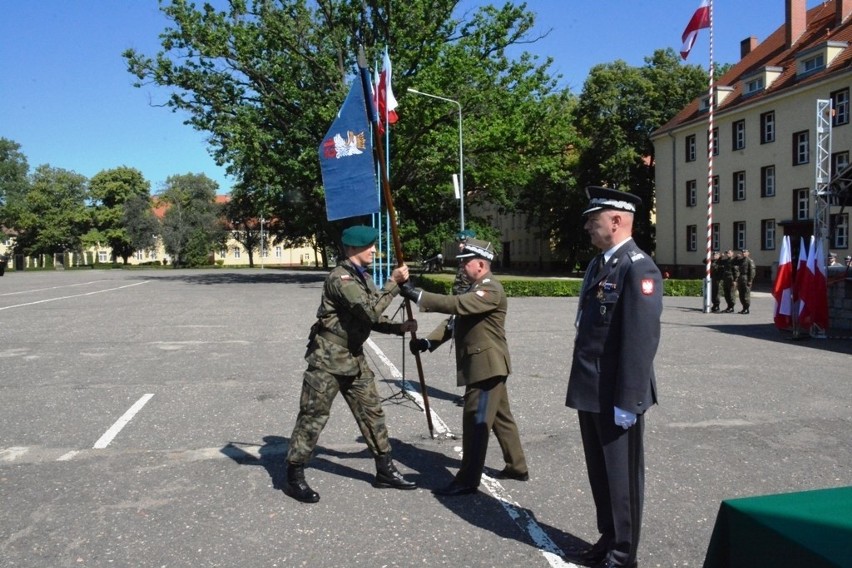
x=700, y=20
x=804, y=284
x=782, y=290
x=385, y=100
x=819, y=290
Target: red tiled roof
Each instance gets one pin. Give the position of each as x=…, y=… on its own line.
x=773, y=52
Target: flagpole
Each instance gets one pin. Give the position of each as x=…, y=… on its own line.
x=710, y=149
x=397, y=243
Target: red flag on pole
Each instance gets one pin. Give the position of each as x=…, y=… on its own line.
x=782, y=290
x=804, y=285
x=819, y=290
x=700, y=20
x=385, y=100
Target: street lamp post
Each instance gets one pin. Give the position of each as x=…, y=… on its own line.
x=461, y=150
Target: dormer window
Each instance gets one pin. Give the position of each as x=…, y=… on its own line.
x=754, y=86
x=818, y=57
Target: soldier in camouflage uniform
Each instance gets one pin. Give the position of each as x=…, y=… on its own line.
x=730, y=271
x=745, y=277
x=715, y=278
x=351, y=307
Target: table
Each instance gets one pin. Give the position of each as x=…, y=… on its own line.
x=811, y=529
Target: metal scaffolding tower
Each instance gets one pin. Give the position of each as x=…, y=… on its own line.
x=823, y=175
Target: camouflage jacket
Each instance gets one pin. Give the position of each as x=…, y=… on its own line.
x=351, y=307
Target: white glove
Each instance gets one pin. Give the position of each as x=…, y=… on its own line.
x=624, y=418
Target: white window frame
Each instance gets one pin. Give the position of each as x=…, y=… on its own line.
x=739, y=186
x=767, y=181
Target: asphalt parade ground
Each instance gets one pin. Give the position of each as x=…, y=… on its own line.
x=144, y=418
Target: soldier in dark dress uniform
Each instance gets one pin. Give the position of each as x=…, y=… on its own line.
x=351, y=307
x=612, y=380
x=482, y=367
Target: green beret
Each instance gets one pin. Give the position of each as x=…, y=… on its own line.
x=359, y=236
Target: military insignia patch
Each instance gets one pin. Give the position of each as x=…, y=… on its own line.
x=648, y=286
x=480, y=293
x=346, y=277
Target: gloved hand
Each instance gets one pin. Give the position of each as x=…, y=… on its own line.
x=624, y=418
x=419, y=345
x=409, y=292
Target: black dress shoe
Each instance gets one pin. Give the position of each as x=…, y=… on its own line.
x=506, y=473
x=594, y=555
x=455, y=489
x=610, y=562
x=729, y=310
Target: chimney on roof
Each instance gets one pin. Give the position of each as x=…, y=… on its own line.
x=748, y=44
x=797, y=20
x=842, y=9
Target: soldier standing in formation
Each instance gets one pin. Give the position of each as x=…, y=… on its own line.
x=728, y=268
x=351, y=307
x=745, y=277
x=715, y=278
x=482, y=367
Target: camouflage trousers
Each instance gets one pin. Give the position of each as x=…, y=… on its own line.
x=318, y=391
x=744, y=292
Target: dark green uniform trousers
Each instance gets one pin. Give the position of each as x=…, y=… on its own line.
x=486, y=408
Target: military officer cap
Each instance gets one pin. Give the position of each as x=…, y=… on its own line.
x=476, y=248
x=601, y=198
x=359, y=236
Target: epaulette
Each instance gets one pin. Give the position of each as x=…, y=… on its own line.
x=635, y=255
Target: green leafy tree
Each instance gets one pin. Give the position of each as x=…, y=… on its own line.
x=141, y=224
x=14, y=183
x=618, y=109
x=109, y=191
x=265, y=80
x=192, y=227
x=53, y=215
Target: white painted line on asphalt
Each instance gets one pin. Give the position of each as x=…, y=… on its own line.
x=67, y=456
x=50, y=288
x=13, y=453
x=73, y=296
x=551, y=552
x=441, y=429
x=104, y=440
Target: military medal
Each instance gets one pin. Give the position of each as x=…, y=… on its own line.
x=603, y=310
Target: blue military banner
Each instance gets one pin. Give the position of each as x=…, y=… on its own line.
x=346, y=161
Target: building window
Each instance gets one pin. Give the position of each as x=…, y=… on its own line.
x=715, y=189
x=840, y=232
x=767, y=127
x=279, y=252
x=801, y=204
x=714, y=236
x=691, y=195
x=767, y=230
x=738, y=134
x=739, y=235
x=223, y=253
x=840, y=106
x=839, y=162
x=236, y=252
x=102, y=256
x=691, y=237
x=715, y=141
x=739, y=186
x=801, y=145
x=767, y=181
x=754, y=86
x=690, y=148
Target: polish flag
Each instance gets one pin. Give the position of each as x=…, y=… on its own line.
x=819, y=290
x=385, y=101
x=700, y=20
x=804, y=284
x=782, y=290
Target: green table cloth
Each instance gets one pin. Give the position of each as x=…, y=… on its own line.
x=811, y=529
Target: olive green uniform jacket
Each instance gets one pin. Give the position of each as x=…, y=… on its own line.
x=479, y=329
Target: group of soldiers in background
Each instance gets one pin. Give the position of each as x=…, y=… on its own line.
x=732, y=268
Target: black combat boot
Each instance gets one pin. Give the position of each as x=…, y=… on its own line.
x=297, y=487
x=388, y=476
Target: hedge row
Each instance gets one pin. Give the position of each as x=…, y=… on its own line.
x=548, y=287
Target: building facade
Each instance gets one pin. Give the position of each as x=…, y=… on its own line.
x=766, y=139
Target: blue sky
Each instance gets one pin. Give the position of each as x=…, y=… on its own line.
x=68, y=100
